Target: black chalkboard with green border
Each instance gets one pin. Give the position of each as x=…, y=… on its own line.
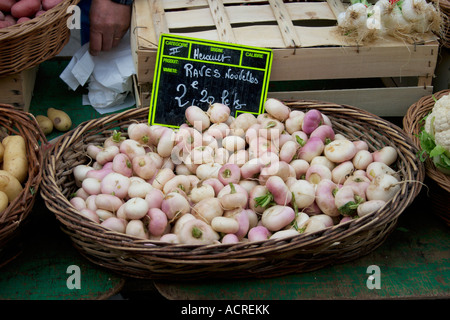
x=201, y=72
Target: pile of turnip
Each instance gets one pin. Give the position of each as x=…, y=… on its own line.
x=363, y=21
x=223, y=179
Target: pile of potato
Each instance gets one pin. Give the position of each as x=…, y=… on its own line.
x=18, y=11
x=14, y=168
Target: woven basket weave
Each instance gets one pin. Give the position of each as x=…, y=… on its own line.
x=444, y=6
x=412, y=124
x=18, y=122
x=27, y=44
x=155, y=260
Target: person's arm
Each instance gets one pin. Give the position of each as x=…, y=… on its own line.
x=110, y=20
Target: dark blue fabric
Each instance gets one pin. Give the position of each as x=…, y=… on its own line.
x=85, y=5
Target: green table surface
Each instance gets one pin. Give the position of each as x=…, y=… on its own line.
x=413, y=261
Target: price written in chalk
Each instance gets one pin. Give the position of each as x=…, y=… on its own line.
x=199, y=72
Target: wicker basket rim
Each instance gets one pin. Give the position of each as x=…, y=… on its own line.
x=44, y=20
x=411, y=124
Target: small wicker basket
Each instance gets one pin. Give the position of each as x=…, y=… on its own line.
x=18, y=122
x=149, y=259
x=412, y=124
x=27, y=44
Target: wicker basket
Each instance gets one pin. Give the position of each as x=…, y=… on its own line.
x=27, y=44
x=444, y=6
x=412, y=124
x=15, y=121
x=155, y=260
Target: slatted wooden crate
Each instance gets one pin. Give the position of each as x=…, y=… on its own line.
x=17, y=89
x=306, y=44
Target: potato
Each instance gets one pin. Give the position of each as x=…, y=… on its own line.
x=10, y=185
x=45, y=123
x=5, y=24
x=3, y=201
x=25, y=8
x=5, y=5
x=48, y=4
x=61, y=120
x=15, y=159
x=23, y=19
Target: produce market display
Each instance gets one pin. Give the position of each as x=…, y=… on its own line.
x=153, y=201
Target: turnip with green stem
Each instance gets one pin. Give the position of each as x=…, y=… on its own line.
x=140, y=132
x=347, y=201
x=197, y=232
x=116, y=184
x=324, y=132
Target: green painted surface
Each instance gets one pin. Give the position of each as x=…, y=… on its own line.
x=414, y=260
x=41, y=271
x=414, y=263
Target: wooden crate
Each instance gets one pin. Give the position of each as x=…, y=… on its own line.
x=17, y=89
x=306, y=46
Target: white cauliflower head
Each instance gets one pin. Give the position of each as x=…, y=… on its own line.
x=437, y=123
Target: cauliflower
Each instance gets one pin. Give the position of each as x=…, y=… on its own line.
x=435, y=136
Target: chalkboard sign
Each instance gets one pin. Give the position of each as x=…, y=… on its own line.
x=201, y=72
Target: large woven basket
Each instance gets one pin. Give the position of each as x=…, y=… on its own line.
x=18, y=122
x=27, y=44
x=412, y=124
x=444, y=6
x=156, y=260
